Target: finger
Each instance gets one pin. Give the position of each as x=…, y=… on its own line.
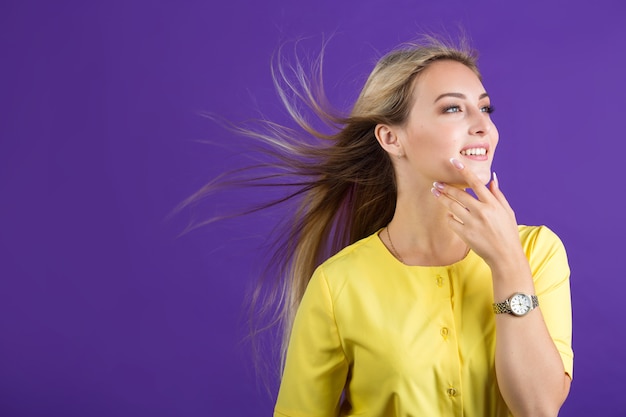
x=472, y=180
x=457, y=227
x=457, y=210
x=462, y=197
x=494, y=187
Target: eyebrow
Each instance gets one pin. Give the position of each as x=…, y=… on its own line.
x=459, y=95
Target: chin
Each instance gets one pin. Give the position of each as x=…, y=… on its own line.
x=484, y=175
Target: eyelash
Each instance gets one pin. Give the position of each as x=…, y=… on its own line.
x=484, y=109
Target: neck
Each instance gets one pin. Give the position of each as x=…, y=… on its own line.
x=419, y=233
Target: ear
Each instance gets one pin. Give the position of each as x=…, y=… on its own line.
x=388, y=139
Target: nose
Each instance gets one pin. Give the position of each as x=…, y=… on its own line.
x=480, y=124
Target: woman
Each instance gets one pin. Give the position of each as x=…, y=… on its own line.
x=441, y=304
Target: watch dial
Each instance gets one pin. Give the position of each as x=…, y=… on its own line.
x=520, y=304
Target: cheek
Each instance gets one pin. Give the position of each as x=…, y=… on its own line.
x=495, y=135
x=443, y=139
x=434, y=143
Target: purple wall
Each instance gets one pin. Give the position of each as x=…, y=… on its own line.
x=103, y=312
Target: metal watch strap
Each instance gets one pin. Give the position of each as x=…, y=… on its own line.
x=504, y=307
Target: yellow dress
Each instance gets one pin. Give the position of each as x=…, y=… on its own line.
x=375, y=337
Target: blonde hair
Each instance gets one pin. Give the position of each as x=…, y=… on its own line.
x=343, y=181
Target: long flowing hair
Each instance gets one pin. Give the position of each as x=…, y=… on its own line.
x=343, y=182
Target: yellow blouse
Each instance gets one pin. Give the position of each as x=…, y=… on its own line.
x=374, y=337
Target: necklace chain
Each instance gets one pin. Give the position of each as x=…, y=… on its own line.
x=397, y=255
x=393, y=248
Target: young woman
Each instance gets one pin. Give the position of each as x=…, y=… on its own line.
x=439, y=304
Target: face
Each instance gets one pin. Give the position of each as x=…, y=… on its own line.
x=450, y=118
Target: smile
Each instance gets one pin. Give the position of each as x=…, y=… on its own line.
x=474, y=152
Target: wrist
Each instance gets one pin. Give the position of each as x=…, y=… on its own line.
x=510, y=264
x=511, y=276
x=518, y=304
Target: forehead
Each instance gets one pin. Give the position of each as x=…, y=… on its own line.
x=447, y=77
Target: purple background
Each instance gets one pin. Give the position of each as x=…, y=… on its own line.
x=104, y=312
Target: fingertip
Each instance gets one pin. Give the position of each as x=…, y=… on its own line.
x=457, y=164
x=495, y=180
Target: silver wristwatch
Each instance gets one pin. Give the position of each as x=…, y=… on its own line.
x=519, y=304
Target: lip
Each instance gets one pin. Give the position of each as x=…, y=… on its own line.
x=484, y=157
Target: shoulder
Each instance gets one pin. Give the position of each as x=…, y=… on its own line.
x=545, y=252
x=359, y=260
x=357, y=251
x=539, y=238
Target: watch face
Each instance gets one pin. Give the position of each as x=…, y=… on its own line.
x=520, y=304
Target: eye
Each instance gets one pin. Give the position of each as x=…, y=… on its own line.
x=487, y=109
x=452, y=109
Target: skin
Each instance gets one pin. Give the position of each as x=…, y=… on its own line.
x=437, y=220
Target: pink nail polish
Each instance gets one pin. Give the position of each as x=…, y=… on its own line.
x=435, y=191
x=438, y=185
x=495, y=179
x=457, y=164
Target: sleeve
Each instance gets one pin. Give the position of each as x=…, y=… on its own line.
x=551, y=273
x=316, y=367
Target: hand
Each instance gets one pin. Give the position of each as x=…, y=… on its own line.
x=486, y=224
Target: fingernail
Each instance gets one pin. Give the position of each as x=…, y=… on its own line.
x=435, y=191
x=458, y=164
x=495, y=179
x=438, y=185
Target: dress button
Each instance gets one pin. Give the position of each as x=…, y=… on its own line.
x=451, y=392
x=439, y=281
x=444, y=332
